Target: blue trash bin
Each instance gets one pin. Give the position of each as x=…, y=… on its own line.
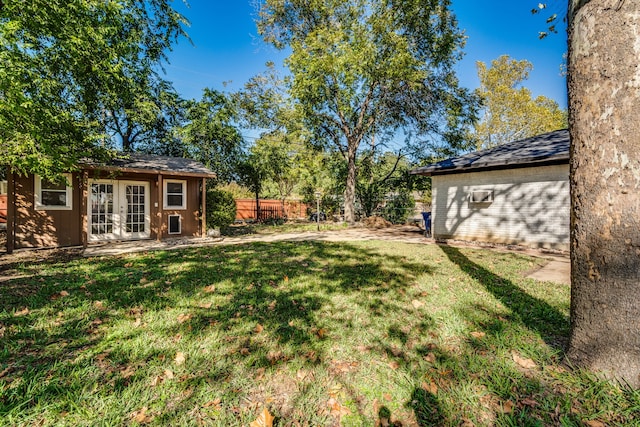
x=426, y=216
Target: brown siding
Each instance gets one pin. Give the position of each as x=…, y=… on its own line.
x=45, y=228
x=190, y=215
x=49, y=228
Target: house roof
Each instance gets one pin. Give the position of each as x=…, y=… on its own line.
x=548, y=148
x=148, y=163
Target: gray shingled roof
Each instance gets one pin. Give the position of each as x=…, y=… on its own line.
x=548, y=148
x=148, y=163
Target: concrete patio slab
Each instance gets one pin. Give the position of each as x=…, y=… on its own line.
x=557, y=271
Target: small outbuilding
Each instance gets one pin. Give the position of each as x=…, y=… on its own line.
x=515, y=193
x=133, y=197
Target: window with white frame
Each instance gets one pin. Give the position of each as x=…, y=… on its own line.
x=175, y=194
x=50, y=195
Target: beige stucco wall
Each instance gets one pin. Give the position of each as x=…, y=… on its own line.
x=531, y=206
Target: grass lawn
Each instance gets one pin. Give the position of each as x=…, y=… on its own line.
x=322, y=334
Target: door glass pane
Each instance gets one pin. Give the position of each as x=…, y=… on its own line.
x=135, y=209
x=101, y=199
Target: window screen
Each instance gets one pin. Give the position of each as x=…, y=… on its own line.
x=174, y=194
x=53, y=195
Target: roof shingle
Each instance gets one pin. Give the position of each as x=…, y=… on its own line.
x=148, y=163
x=548, y=148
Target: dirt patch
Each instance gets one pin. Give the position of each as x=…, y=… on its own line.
x=376, y=222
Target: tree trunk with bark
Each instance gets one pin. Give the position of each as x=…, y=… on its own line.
x=604, y=123
x=350, y=187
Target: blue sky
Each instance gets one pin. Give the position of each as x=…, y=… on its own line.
x=227, y=48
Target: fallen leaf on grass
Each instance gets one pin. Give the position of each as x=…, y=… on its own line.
x=466, y=422
x=417, y=304
x=99, y=305
x=343, y=366
x=184, y=317
x=141, y=416
x=303, y=374
x=431, y=358
x=168, y=374
x=157, y=380
x=209, y=289
x=322, y=332
x=529, y=402
x=215, y=403
x=594, y=423
x=180, y=358
x=265, y=419
x=22, y=312
x=430, y=387
x=274, y=356
x=394, y=365
x=244, y=351
x=397, y=352
x=259, y=328
x=5, y=372
x=128, y=372
x=478, y=335
x=337, y=410
x=524, y=362
x=272, y=305
x=205, y=305
x=507, y=408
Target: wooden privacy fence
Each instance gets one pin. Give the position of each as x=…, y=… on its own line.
x=3, y=208
x=270, y=209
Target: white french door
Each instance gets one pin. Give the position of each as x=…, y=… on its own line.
x=118, y=210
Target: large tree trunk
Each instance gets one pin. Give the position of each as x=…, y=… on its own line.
x=604, y=123
x=350, y=189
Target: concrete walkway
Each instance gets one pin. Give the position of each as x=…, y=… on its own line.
x=556, y=270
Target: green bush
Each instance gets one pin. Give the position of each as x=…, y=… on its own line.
x=399, y=207
x=221, y=208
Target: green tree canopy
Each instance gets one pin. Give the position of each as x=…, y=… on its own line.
x=66, y=65
x=510, y=111
x=361, y=67
x=145, y=117
x=210, y=135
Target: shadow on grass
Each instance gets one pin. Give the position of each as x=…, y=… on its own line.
x=250, y=285
x=534, y=313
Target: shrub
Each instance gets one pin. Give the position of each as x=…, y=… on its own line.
x=221, y=208
x=398, y=209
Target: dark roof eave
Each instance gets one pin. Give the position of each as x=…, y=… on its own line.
x=150, y=171
x=487, y=166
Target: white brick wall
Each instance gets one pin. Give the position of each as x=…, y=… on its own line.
x=531, y=206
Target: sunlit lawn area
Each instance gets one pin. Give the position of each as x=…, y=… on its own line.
x=321, y=334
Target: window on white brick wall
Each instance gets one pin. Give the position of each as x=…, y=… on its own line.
x=481, y=196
